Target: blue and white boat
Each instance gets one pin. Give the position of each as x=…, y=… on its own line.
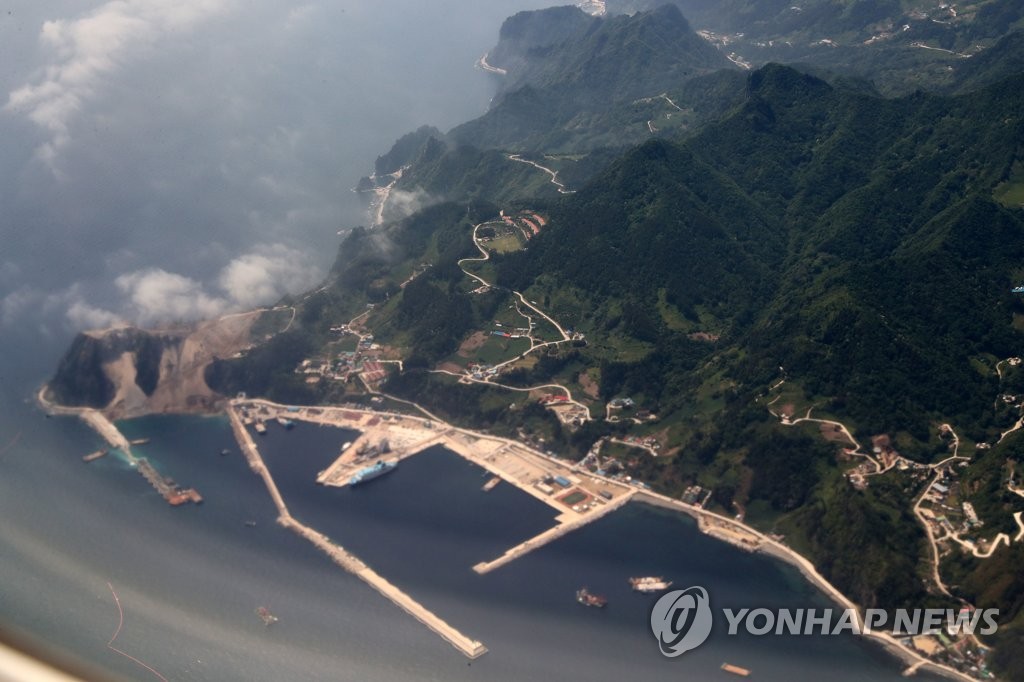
x=369, y=473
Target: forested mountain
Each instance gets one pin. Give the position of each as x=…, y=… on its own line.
x=901, y=45
x=732, y=250
x=578, y=87
x=858, y=248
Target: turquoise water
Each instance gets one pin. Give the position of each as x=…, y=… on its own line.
x=189, y=578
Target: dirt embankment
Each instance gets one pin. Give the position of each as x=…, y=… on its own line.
x=163, y=370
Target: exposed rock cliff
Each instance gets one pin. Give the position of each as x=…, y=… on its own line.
x=128, y=372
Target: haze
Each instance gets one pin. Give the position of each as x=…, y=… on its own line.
x=171, y=159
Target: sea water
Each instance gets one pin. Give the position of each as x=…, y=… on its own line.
x=189, y=578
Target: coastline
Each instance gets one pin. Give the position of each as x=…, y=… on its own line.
x=772, y=548
x=715, y=525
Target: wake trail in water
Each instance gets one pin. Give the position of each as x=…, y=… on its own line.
x=10, y=446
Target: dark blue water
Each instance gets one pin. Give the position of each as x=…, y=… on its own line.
x=189, y=578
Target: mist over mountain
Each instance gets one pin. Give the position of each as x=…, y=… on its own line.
x=733, y=246
x=201, y=153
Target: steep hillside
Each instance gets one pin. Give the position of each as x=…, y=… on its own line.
x=598, y=82
x=901, y=45
x=127, y=371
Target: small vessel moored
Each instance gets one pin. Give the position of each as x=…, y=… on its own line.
x=489, y=486
x=95, y=455
x=650, y=583
x=735, y=670
x=261, y=428
x=588, y=598
x=286, y=423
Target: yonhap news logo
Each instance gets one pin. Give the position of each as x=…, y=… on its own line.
x=681, y=621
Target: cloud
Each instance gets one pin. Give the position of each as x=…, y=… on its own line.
x=402, y=203
x=266, y=275
x=156, y=295
x=88, y=50
x=84, y=316
x=51, y=310
x=257, y=278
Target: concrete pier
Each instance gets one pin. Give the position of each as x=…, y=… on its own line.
x=106, y=428
x=469, y=647
x=551, y=534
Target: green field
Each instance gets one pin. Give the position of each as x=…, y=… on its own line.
x=1011, y=192
x=498, y=349
x=573, y=498
x=505, y=243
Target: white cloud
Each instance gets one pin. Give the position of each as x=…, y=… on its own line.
x=256, y=278
x=266, y=274
x=87, y=50
x=402, y=203
x=156, y=295
x=81, y=315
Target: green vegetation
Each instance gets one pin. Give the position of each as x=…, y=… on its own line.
x=1010, y=192
x=80, y=380
x=782, y=239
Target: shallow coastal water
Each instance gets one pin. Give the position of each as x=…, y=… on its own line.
x=190, y=578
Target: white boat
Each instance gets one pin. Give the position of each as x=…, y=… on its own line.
x=650, y=583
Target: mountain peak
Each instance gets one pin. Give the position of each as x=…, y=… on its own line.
x=785, y=84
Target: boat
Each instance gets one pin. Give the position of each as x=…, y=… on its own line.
x=735, y=670
x=489, y=486
x=650, y=583
x=261, y=428
x=286, y=423
x=266, y=616
x=345, y=446
x=587, y=598
x=95, y=455
x=225, y=452
x=369, y=473
x=1018, y=290
x=250, y=524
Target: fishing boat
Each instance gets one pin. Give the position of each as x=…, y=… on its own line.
x=588, y=598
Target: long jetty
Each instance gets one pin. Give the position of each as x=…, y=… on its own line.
x=469, y=647
x=551, y=534
x=117, y=440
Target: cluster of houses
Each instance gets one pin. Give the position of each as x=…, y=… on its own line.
x=527, y=223
x=364, y=360
x=510, y=332
x=945, y=513
x=696, y=495
x=952, y=647
x=480, y=371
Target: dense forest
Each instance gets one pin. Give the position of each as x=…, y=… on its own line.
x=730, y=239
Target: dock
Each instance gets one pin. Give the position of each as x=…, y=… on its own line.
x=551, y=534
x=469, y=647
x=577, y=497
x=168, y=490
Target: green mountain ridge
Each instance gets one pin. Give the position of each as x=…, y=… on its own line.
x=851, y=240
x=736, y=251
